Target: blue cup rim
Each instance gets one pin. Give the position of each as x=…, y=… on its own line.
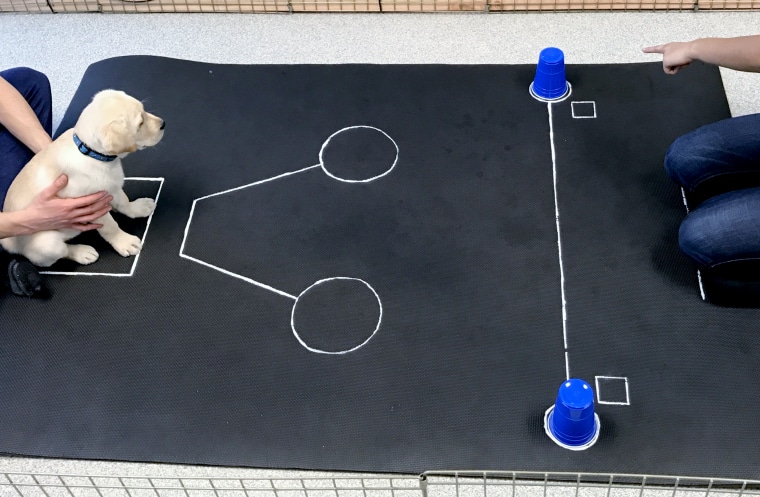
x=581, y=446
x=560, y=98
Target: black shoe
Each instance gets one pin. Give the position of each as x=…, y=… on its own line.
x=22, y=278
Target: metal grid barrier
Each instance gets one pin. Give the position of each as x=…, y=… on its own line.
x=528, y=484
x=285, y=6
x=52, y=485
x=429, y=484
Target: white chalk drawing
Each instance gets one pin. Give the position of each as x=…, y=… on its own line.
x=580, y=113
x=559, y=241
x=701, y=286
x=137, y=257
x=699, y=274
x=366, y=180
x=324, y=167
x=599, y=399
x=323, y=282
x=549, y=103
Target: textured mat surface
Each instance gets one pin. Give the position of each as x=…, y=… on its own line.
x=360, y=268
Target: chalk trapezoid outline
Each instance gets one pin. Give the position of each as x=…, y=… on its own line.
x=133, y=267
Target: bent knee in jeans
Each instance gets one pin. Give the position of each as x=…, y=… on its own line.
x=724, y=230
x=726, y=148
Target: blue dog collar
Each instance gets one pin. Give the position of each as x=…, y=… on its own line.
x=90, y=152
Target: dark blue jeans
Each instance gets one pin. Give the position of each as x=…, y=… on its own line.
x=719, y=163
x=35, y=88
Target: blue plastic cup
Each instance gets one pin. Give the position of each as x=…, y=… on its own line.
x=572, y=422
x=550, y=82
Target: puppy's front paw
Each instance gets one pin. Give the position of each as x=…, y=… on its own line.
x=126, y=244
x=141, y=207
x=83, y=254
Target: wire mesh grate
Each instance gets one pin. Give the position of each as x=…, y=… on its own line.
x=285, y=6
x=526, y=484
x=429, y=484
x=50, y=485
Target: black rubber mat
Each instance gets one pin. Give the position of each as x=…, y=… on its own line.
x=360, y=267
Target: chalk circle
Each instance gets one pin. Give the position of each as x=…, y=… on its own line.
x=358, y=154
x=336, y=315
x=558, y=99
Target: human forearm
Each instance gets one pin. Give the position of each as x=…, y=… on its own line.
x=56, y=213
x=14, y=224
x=740, y=53
x=19, y=119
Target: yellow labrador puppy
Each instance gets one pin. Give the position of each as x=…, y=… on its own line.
x=110, y=127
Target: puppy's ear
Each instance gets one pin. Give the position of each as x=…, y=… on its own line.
x=117, y=139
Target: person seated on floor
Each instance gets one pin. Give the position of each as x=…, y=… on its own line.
x=718, y=166
x=26, y=125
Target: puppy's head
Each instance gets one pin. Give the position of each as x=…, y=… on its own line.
x=116, y=124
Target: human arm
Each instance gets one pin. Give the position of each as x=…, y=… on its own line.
x=20, y=120
x=49, y=212
x=741, y=53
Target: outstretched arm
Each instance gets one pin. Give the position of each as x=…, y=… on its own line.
x=741, y=53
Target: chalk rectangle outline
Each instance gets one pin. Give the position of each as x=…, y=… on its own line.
x=593, y=106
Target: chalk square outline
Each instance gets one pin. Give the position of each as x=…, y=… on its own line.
x=593, y=108
x=137, y=257
x=609, y=402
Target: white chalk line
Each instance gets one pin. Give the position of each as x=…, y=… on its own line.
x=142, y=241
x=238, y=276
x=279, y=176
x=147, y=226
x=559, y=241
x=699, y=274
x=701, y=287
x=222, y=270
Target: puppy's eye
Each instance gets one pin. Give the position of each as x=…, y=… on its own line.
x=141, y=123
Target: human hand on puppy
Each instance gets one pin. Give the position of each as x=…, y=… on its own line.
x=50, y=212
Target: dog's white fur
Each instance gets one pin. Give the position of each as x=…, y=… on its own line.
x=114, y=123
